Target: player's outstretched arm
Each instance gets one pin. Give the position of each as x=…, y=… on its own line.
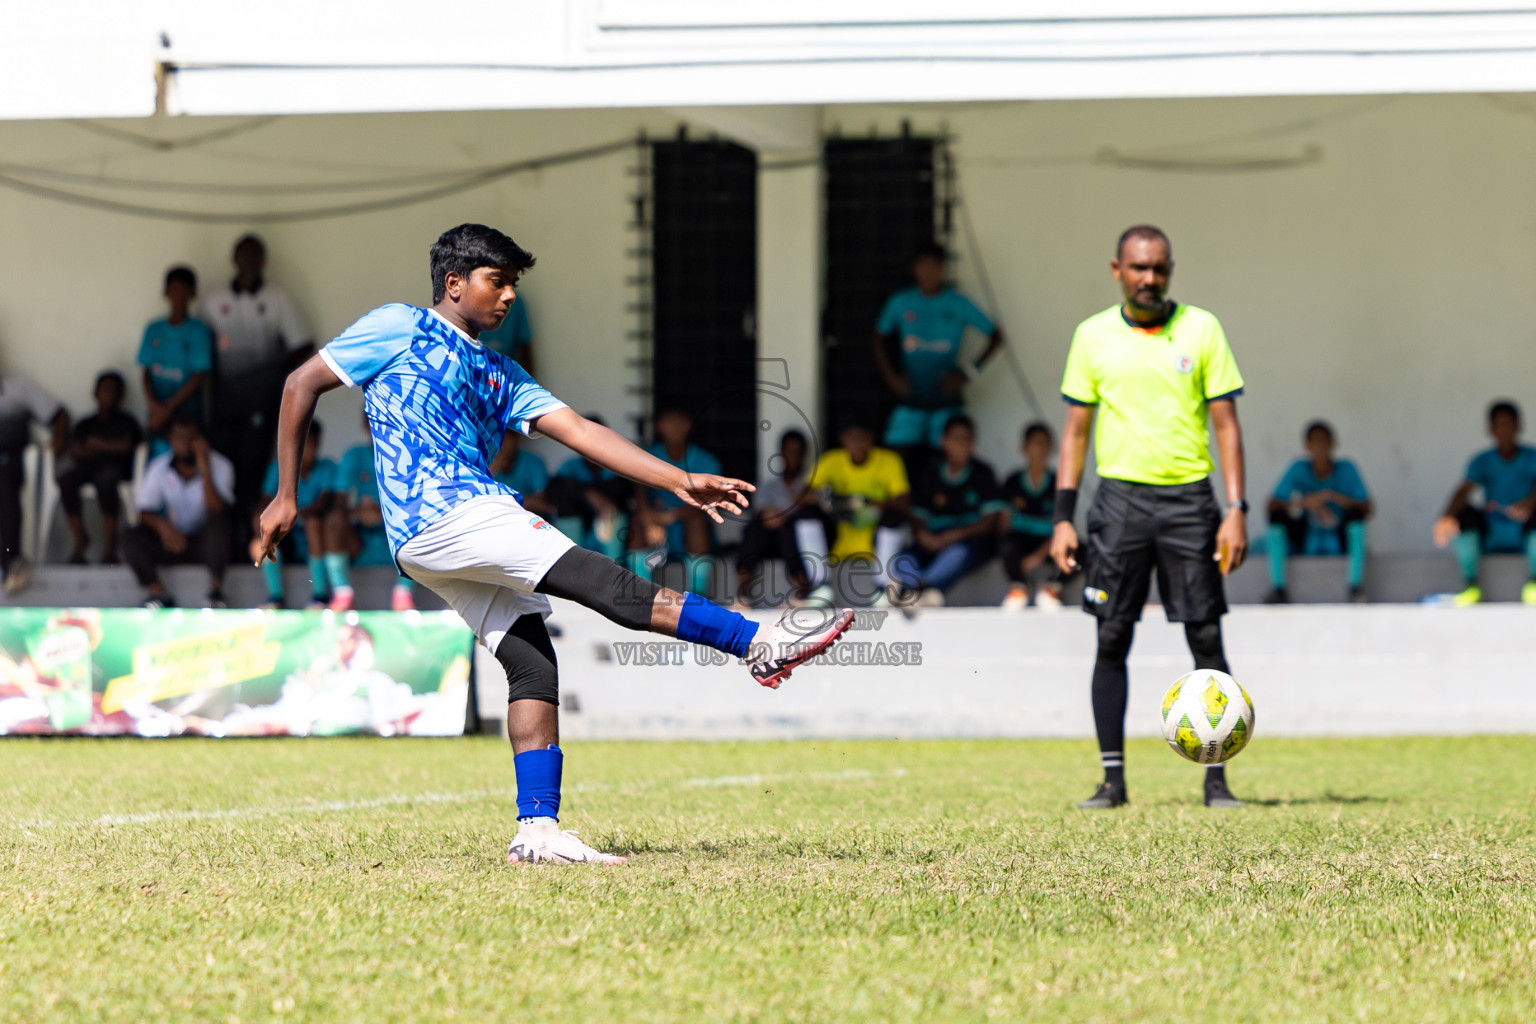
x=1069, y=473
x=302, y=389
x=606, y=448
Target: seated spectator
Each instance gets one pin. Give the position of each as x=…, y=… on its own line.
x=669, y=528
x=177, y=354
x=955, y=515
x=316, y=485
x=1319, y=507
x=926, y=324
x=354, y=530
x=783, y=522
x=1026, y=544
x=1491, y=510
x=865, y=489
x=523, y=471
x=21, y=403
x=591, y=504
x=100, y=453
x=184, y=505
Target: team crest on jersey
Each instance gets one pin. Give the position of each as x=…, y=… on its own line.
x=1185, y=364
x=910, y=316
x=540, y=524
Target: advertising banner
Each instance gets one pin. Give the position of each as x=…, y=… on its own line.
x=173, y=672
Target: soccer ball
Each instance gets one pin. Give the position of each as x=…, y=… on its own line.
x=1207, y=717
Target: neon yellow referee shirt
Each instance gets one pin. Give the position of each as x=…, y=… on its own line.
x=1151, y=387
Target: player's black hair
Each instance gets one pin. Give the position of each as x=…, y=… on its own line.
x=185, y=274
x=931, y=251
x=1504, y=407
x=848, y=423
x=250, y=239
x=106, y=375
x=1323, y=425
x=1037, y=427
x=792, y=435
x=466, y=248
x=186, y=419
x=960, y=419
x=1142, y=231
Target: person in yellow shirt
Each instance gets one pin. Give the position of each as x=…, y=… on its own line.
x=1152, y=372
x=866, y=489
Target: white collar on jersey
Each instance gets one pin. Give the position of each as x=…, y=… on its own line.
x=455, y=327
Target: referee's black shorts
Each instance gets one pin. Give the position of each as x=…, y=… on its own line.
x=1133, y=528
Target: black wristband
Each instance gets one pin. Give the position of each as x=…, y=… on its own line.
x=1066, y=505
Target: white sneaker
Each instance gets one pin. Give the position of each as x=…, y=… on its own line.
x=899, y=596
x=1016, y=599
x=554, y=845
x=1047, y=600
x=796, y=638
x=930, y=597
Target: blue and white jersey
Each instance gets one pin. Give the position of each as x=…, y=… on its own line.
x=438, y=403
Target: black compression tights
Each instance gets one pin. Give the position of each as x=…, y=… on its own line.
x=1110, y=687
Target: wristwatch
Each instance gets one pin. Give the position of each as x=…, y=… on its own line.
x=1241, y=506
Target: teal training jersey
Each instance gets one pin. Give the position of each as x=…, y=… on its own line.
x=930, y=329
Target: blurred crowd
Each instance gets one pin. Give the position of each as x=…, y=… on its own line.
x=897, y=513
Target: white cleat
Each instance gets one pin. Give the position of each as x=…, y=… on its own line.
x=795, y=639
x=555, y=846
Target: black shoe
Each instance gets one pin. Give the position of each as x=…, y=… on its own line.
x=154, y=602
x=1277, y=596
x=216, y=599
x=1218, y=795
x=1357, y=596
x=1109, y=794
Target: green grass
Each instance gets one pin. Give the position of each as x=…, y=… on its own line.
x=1371, y=880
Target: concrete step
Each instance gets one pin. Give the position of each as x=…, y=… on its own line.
x=66, y=586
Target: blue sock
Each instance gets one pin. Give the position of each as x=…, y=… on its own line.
x=538, y=782
x=317, y=579
x=272, y=572
x=704, y=622
x=336, y=570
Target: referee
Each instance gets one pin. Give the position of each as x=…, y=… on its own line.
x=1153, y=369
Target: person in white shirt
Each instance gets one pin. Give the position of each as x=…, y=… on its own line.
x=786, y=526
x=258, y=337
x=185, y=504
x=21, y=404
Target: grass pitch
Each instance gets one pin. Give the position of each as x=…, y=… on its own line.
x=362, y=880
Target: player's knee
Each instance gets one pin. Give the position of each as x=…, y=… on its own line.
x=530, y=676
x=1115, y=639
x=605, y=586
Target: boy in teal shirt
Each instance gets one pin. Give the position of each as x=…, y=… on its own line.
x=1491, y=510
x=176, y=354
x=927, y=323
x=1319, y=507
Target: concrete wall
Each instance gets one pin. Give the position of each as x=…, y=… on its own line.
x=1371, y=258
x=1319, y=671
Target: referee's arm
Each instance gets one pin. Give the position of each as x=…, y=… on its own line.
x=1069, y=473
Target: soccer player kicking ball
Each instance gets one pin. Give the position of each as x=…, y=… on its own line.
x=438, y=403
x=1154, y=370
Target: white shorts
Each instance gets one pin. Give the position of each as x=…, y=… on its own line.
x=484, y=558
